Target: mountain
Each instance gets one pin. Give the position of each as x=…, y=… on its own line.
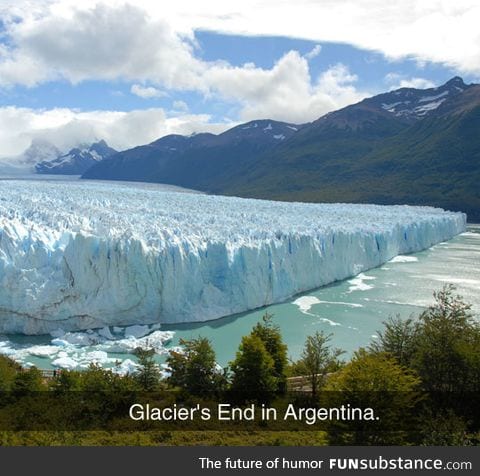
x=198, y=160
x=76, y=161
x=413, y=104
x=420, y=157
x=413, y=146
x=142, y=162
x=38, y=151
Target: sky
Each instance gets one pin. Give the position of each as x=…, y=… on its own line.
x=130, y=72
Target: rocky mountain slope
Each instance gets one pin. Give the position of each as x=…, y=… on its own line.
x=409, y=146
x=77, y=161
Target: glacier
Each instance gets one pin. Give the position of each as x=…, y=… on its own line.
x=83, y=255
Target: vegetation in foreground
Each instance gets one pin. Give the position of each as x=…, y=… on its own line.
x=422, y=375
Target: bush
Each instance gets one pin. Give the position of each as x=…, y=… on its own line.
x=253, y=372
x=270, y=335
x=195, y=369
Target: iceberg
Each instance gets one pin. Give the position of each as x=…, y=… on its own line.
x=82, y=255
x=78, y=350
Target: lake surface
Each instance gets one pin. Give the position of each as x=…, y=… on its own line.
x=351, y=310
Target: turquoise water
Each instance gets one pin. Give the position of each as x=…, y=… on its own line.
x=351, y=310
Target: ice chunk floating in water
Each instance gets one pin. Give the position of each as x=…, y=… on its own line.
x=359, y=284
x=404, y=259
x=83, y=255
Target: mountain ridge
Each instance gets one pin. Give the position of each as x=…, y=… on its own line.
x=77, y=160
x=38, y=150
x=204, y=156
x=414, y=146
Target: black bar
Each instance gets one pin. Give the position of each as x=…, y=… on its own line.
x=189, y=460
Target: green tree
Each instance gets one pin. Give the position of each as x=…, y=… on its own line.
x=318, y=359
x=398, y=338
x=450, y=308
x=94, y=379
x=270, y=334
x=195, y=369
x=374, y=380
x=367, y=372
x=447, y=355
x=99, y=395
x=253, y=371
x=27, y=381
x=8, y=370
x=148, y=375
x=444, y=428
x=66, y=381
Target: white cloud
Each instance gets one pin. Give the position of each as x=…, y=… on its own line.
x=314, y=52
x=180, y=106
x=442, y=31
x=431, y=30
x=153, y=43
x=419, y=83
x=286, y=92
x=99, y=43
x=67, y=128
x=396, y=81
x=147, y=92
x=125, y=42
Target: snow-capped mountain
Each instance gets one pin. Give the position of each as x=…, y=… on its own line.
x=39, y=151
x=77, y=160
x=388, y=113
x=195, y=160
x=414, y=104
x=417, y=146
x=406, y=146
x=265, y=130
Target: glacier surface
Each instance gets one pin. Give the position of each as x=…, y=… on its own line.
x=82, y=255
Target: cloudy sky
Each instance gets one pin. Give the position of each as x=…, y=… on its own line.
x=130, y=72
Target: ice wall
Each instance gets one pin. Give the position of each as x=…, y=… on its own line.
x=84, y=255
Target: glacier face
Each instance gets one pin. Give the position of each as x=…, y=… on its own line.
x=83, y=255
